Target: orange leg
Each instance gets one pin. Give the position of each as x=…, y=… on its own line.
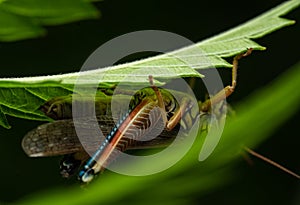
x=228, y=90
x=160, y=100
x=169, y=124
x=175, y=119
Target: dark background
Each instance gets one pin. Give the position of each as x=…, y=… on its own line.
x=65, y=48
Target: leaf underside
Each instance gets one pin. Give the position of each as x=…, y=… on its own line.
x=21, y=97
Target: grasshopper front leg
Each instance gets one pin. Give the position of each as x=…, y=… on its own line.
x=228, y=90
x=175, y=119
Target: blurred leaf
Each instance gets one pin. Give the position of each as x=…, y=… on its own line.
x=14, y=27
x=21, y=19
x=20, y=97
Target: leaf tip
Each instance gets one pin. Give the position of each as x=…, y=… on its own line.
x=5, y=125
x=260, y=48
x=293, y=21
x=263, y=48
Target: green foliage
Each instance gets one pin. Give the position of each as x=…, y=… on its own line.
x=258, y=116
x=22, y=19
x=20, y=97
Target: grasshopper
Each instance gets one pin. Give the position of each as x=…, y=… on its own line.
x=61, y=136
x=150, y=107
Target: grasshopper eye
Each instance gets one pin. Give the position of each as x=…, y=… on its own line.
x=86, y=176
x=58, y=107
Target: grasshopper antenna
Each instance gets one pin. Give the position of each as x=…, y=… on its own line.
x=275, y=164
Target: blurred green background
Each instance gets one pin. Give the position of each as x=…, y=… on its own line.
x=65, y=48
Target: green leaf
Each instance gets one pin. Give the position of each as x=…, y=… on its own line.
x=3, y=120
x=189, y=175
x=25, y=102
x=17, y=100
x=21, y=19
